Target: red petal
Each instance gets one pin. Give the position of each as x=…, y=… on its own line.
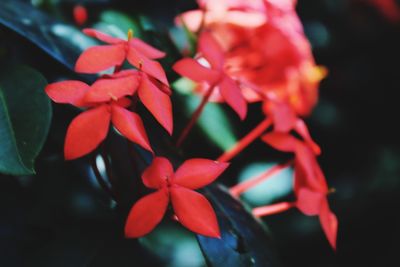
x=197, y=173
x=146, y=214
x=156, y=175
x=281, y=141
x=211, y=50
x=310, y=171
x=123, y=102
x=67, y=92
x=99, y=58
x=302, y=130
x=86, y=132
x=190, y=68
x=329, y=224
x=151, y=67
x=102, y=36
x=232, y=94
x=282, y=114
x=157, y=102
x=130, y=125
x=194, y=212
x=104, y=90
x=146, y=49
x=309, y=202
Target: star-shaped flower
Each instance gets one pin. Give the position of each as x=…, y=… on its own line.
x=103, y=57
x=212, y=73
x=191, y=208
x=106, y=102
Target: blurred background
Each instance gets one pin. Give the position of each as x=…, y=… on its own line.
x=60, y=217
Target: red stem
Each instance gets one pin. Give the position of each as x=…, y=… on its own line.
x=248, y=184
x=246, y=141
x=195, y=116
x=272, y=209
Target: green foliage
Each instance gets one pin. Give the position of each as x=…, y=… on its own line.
x=213, y=122
x=25, y=116
x=118, y=24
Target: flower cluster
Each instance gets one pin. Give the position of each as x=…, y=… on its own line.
x=259, y=46
x=247, y=51
x=265, y=49
x=110, y=98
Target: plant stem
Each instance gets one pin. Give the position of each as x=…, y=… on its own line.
x=248, y=184
x=272, y=209
x=246, y=141
x=195, y=116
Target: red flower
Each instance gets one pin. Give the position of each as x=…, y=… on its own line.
x=80, y=15
x=310, y=185
x=389, y=8
x=107, y=103
x=272, y=55
x=191, y=208
x=137, y=52
x=214, y=76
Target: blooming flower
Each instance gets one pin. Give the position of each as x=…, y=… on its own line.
x=106, y=102
x=272, y=57
x=137, y=52
x=214, y=75
x=191, y=208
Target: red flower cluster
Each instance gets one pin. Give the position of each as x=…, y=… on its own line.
x=191, y=208
x=265, y=49
x=260, y=46
x=109, y=98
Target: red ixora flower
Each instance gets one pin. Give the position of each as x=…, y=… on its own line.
x=137, y=52
x=214, y=76
x=310, y=185
x=80, y=15
x=107, y=102
x=191, y=208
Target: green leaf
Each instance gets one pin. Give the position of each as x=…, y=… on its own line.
x=25, y=116
x=215, y=124
x=245, y=242
x=62, y=41
x=118, y=24
x=213, y=121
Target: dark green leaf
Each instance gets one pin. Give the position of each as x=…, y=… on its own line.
x=25, y=115
x=118, y=24
x=62, y=41
x=244, y=243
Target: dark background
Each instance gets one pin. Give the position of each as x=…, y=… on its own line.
x=59, y=218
